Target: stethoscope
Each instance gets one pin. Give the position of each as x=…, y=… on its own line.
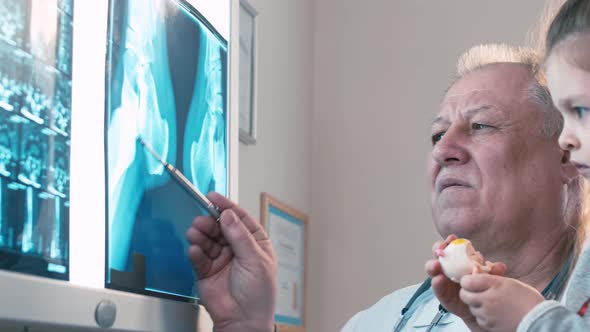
x=550, y=293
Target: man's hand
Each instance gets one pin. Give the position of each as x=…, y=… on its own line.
x=498, y=303
x=447, y=291
x=236, y=268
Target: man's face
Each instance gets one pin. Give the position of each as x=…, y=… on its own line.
x=492, y=170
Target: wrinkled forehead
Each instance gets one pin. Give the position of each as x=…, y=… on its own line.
x=498, y=85
x=459, y=102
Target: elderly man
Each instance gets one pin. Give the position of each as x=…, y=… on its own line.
x=498, y=177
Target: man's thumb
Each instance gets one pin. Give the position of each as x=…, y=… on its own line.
x=499, y=269
x=237, y=235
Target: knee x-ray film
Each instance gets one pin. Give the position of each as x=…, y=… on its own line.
x=166, y=85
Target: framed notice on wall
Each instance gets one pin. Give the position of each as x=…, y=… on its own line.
x=287, y=229
x=248, y=77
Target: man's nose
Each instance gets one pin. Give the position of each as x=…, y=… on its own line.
x=450, y=150
x=569, y=141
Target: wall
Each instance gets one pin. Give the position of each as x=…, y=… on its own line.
x=280, y=162
x=380, y=70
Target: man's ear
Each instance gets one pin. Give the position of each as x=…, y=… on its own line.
x=568, y=170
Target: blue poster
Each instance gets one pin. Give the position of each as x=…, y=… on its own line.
x=166, y=86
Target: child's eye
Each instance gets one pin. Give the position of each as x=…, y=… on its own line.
x=580, y=112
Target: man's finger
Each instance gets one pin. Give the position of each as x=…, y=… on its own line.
x=207, y=225
x=222, y=259
x=499, y=269
x=196, y=237
x=450, y=239
x=441, y=245
x=221, y=240
x=211, y=247
x=437, y=245
x=224, y=203
x=214, y=251
x=438, y=248
x=200, y=261
x=433, y=267
x=444, y=289
x=251, y=224
x=239, y=237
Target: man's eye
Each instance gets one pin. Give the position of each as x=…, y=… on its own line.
x=437, y=137
x=580, y=112
x=479, y=126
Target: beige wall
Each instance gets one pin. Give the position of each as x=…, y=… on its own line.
x=346, y=92
x=280, y=162
x=380, y=71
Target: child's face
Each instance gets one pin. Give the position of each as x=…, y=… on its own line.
x=570, y=90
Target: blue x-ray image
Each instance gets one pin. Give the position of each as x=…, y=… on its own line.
x=167, y=86
x=38, y=92
x=58, y=175
x=67, y=6
x=12, y=83
x=8, y=147
x=13, y=22
x=60, y=116
x=35, y=113
x=43, y=30
x=33, y=160
x=64, y=49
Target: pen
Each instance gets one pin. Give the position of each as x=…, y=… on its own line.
x=185, y=183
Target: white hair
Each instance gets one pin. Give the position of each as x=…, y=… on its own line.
x=482, y=56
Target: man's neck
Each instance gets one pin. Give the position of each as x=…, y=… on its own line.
x=534, y=262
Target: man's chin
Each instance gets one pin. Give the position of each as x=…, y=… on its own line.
x=463, y=225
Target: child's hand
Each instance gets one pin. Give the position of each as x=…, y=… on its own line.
x=446, y=290
x=498, y=303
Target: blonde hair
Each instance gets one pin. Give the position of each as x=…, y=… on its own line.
x=577, y=214
x=537, y=36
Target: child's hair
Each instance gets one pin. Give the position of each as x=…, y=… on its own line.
x=573, y=19
x=577, y=215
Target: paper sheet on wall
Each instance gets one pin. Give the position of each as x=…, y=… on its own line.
x=288, y=241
